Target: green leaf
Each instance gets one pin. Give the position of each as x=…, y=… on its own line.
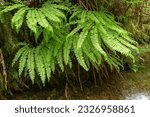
x=40, y=65
x=31, y=21
x=22, y=61
x=18, y=55
x=31, y=65
x=12, y=7
x=18, y=18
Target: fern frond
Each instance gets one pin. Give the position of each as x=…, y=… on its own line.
x=12, y=7
x=46, y=56
x=67, y=48
x=42, y=21
x=83, y=17
x=96, y=42
x=51, y=16
x=74, y=31
x=40, y=65
x=61, y=7
x=18, y=55
x=79, y=55
x=18, y=18
x=56, y=12
x=88, y=52
x=57, y=48
x=23, y=60
x=83, y=35
x=31, y=65
x=31, y=21
x=60, y=60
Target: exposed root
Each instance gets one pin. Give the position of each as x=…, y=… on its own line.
x=3, y=70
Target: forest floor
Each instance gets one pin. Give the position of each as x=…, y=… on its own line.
x=113, y=89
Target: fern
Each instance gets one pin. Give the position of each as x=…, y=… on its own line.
x=67, y=49
x=31, y=65
x=79, y=55
x=92, y=37
x=32, y=22
x=23, y=61
x=38, y=18
x=12, y=7
x=40, y=65
x=101, y=30
x=18, y=54
x=18, y=18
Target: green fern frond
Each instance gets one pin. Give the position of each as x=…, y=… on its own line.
x=60, y=60
x=18, y=18
x=88, y=52
x=67, y=48
x=12, y=7
x=61, y=7
x=96, y=42
x=83, y=17
x=56, y=12
x=42, y=21
x=40, y=65
x=50, y=16
x=74, y=31
x=57, y=48
x=46, y=56
x=18, y=55
x=79, y=55
x=82, y=37
x=31, y=65
x=23, y=61
x=31, y=21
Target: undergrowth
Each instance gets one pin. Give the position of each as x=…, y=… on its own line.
x=62, y=32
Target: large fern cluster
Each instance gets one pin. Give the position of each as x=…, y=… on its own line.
x=99, y=38
x=39, y=20
x=93, y=37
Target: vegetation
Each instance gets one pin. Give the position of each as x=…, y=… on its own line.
x=52, y=35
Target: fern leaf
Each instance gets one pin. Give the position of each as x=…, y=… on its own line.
x=60, y=60
x=31, y=65
x=74, y=31
x=12, y=7
x=46, y=56
x=79, y=55
x=31, y=21
x=17, y=19
x=23, y=60
x=96, y=42
x=81, y=39
x=40, y=65
x=67, y=47
x=18, y=54
x=57, y=12
x=57, y=48
x=87, y=50
x=51, y=16
x=83, y=16
x=42, y=21
x=74, y=14
x=83, y=35
x=53, y=65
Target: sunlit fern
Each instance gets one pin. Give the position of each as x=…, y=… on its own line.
x=38, y=20
x=99, y=38
x=95, y=39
